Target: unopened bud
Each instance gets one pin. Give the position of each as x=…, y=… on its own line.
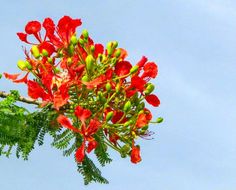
x=92, y=48
x=85, y=78
x=74, y=40
x=85, y=34
x=149, y=89
x=57, y=70
x=28, y=65
x=109, y=116
x=117, y=53
x=50, y=60
x=109, y=48
x=118, y=88
x=160, y=120
x=81, y=41
x=89, y=62
x=108, y=87
x=0, y=75
x=114, y=44
x=21, y=65
x=127, y=106
x=69, y=60
x=35, y=51
x=44, y=52
x=134, y=69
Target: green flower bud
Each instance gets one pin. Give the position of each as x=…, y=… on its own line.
x=127, y=123
x=85, y=78
x=57, y=70
x=108, y=87
x=28, y=65
x=44, y=52
x=21, y=65
x=109, y=48
x=85, y=33
x=141, y=106
x=89, y=62
x=81, y=41
x=74, y=40
x=160, y=120
x=117, y=53
x=71, y=49
x=69, y=60
x=149, y=89
x=134, y=69
x=0, y=75
x=92, y=48
x=118, y=88
x=50, y=60
x=109, y=116
x=127, y=106
x=114, y=44
x=35, y=51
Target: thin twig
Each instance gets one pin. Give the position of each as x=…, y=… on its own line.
x=21, y=98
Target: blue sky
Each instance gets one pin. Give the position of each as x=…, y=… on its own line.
x=194, y=44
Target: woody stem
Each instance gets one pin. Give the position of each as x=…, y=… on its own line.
x=21, y=98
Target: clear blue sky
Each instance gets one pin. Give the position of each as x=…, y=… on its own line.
x=194, y=44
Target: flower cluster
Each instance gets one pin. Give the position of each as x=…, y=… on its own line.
x=94, y=89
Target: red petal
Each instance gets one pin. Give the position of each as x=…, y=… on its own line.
x=49, y=26
x=142, y=120
x=80, y=153
x=98, y=49
x=11, y=76
x=91, y=145
x=153, y=100
x=138, y=83
x=150, y=70
x=82, y=113
x=122, y=68
x=65, y=122
x=135, y=154
x=46, y=46
x=35, y=91
x=33, y=27
x=93, y=127
x=22, y=37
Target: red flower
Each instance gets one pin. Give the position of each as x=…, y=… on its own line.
x=82, y=113
x=117, y=116
x=65, y=122
x=80, y=153
x=122, y=68
x=33, y=27
x=153, y=100
x=150, y=70
x=135, y=154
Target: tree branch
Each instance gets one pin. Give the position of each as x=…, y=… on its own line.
x=21, y=99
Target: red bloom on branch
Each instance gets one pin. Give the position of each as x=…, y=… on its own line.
x=153, y=100
x=135, y=154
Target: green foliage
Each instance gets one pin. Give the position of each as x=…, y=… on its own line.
x=90, y=172
x=20, y=130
